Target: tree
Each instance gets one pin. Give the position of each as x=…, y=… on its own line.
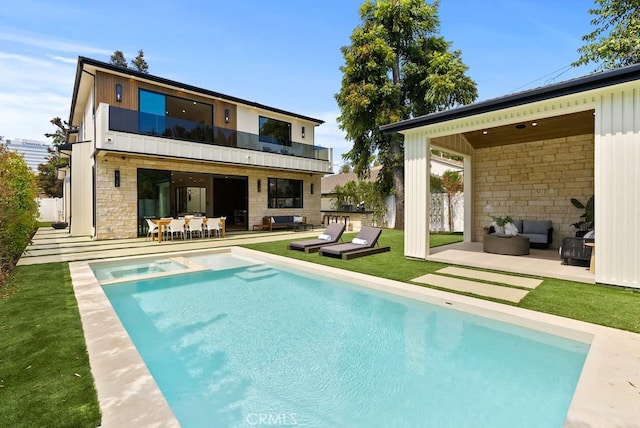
x=616, y=40
x=47, y=178
x=452, y=183
x=139, y=63
x=118, y=59
x=396, y=67
x=345, y=168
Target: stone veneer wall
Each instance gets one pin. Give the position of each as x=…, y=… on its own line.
x=534, y=181
x=117, y=207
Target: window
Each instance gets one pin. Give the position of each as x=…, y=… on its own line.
x=170, y=116
x=285, y=193
x=274, y=131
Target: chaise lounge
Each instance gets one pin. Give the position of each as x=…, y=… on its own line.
x=362, y=245
x=331, y=235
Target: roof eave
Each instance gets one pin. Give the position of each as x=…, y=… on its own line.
x=569, y=87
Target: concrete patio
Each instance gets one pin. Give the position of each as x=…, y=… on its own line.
x=545, y=263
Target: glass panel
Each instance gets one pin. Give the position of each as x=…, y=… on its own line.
x=275, y=133
x=152, y=113
x=285, y=193
x=153, y=196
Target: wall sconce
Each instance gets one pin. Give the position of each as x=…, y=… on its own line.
x=118, y=92
x=227, y=113
x=312, y=188
x=116, y=178
x=259, y=185
x=303, y=132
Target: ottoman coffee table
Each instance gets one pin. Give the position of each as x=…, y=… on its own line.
x=506, y=244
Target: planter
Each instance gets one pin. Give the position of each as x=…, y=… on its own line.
x=59, y=225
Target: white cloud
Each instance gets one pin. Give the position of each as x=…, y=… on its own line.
x=63, y=59
x=45, y=42
x=33, y=90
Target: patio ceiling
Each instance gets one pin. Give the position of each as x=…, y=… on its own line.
x=525, y=131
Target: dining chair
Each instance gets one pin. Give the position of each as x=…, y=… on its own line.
x=176, y=226
x=194, y=226
x=212, y=225
x=153, y=228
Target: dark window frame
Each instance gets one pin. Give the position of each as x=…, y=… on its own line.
x=277, y=136
x=285, y=193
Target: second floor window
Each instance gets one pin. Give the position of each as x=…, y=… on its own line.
x=274, y=131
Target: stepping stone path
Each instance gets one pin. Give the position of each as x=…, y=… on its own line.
x=497, y=288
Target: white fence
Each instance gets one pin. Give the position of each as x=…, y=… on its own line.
x=51, y=209
x=439, y=215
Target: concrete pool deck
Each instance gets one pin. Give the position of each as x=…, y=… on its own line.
x=607, y=394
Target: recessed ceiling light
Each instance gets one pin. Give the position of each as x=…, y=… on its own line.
x=485, y=132
x=521, y=126
x=534, y=123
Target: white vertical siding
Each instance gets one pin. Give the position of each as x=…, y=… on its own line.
x=617, y=188
x=417, y=195
x=82, y=189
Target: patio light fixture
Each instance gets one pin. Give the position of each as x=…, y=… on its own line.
x=303, y=132
x=118, y=92
x=227, y=113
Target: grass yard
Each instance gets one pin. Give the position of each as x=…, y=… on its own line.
x=45, y=378
x=609, y=306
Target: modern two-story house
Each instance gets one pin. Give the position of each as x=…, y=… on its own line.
x=143, y=146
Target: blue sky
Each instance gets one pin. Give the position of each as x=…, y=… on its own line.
x=282, y=53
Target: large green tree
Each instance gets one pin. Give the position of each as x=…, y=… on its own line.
x=396, y=67
x=615, y=42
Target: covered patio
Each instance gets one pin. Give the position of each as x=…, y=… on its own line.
x=527, y=155
x=543, y=263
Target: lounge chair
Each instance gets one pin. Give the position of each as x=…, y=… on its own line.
x=362, y=245
x=333, y=233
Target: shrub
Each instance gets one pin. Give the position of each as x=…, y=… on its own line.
x=18, y=208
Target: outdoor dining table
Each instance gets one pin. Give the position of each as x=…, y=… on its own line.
x=164, y=222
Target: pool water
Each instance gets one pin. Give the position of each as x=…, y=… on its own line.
x=260, y=345
x=107, y=271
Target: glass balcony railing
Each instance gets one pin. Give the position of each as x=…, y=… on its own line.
x=136, y=122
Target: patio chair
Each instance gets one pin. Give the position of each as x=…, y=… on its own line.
x=176, y=226
x=194, y=226
x=574, y=252
x=362, y=245
x=153, y=228
x=212, y=226
x=331, y=235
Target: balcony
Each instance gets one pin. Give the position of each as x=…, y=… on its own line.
x=134, y=122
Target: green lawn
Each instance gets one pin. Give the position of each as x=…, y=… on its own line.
x=610, y=306
x=45, y=378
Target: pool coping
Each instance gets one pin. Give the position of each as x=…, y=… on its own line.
x=607, y=393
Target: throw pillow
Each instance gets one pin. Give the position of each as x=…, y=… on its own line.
x=297, y=219
x=359, y=241
x=510, y=229
x=273, y=220
x=324, y=237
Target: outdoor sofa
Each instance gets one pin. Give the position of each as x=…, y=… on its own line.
x=331, y=235
x=539, y=232
x=362, y=245
x=284, y=222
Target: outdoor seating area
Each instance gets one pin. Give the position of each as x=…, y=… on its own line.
x=364, y=244
x=186, y=227
x=287, y=222
x=331, y=235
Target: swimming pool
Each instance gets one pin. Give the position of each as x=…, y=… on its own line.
x=232, y=347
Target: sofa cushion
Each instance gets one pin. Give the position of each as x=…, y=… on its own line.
x=536, y=227
x=537, y=238
x=518, y=224
x=283, y=219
